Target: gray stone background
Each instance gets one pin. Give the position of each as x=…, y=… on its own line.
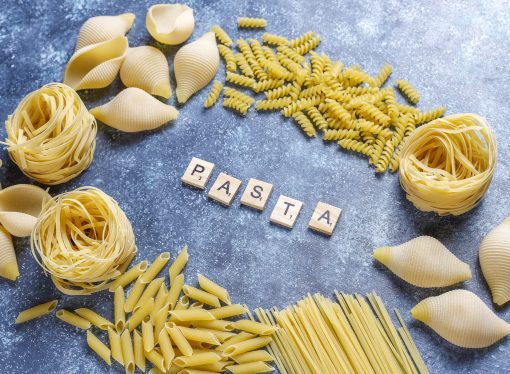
x=455, y=52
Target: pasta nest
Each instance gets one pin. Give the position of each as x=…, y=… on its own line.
x=82, y=238
x=447, y=165
x=51, y=136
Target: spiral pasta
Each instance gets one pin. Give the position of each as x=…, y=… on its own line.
x=248, y=22
x=408, y=91
x=341, y=134
x=273, y=39
x=300, y=40
x=383, y=75
x=447, y=165
x=305, y=124
x=236, y=104
x=232, y=92
x=82, y=238
x=430, y=115
x=240, y=80
x=51, y=136
x=214, y=94
x=273, y=104
x=317, y=118
x=221, y=35
x=308, y=46
x=228, y=56
x=264, y=85
x=355, y=145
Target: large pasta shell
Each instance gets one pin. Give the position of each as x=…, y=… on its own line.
x=460, y=317
x=134, y=110
x=495, y=262
x=424, y=262
x=20, y=206
x=195, y=66
x=8, y=264
x=170, y=23
x=146, y=67
x=102, y=28
x=96, y=65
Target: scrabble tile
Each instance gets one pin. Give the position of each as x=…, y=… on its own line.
x=324, y=218
x=224, y=189
x=198, y=173
x=256, y=194
x=286, y=211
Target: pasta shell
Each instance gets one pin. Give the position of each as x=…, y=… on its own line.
x=195, y=66
x=20, y=206
x=146, y=67
x=170, y=23
x=102, y=28
x=96, y=65
x=460, y=317
x=424, y=262
x=134, y=110
x=8, y=264
x=495, y=262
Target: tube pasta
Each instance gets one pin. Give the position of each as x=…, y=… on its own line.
x=201, y=296
x=220, y=335
x=160, y=299
x=139, y=351
x=73, y=319
x=127, y=352
x=149, y=292
x=179, y=263
x=148, y=334
x=179, y=339
x=175, y=290
x=198, y=335
x=159, y=321
x=115, y=345
x=103, y=28
x=246, y=346
x=250, y=367
x=99, y=347
x=166, y=348
x=158, y=264
x=134, y=295
x=253, y=327
x=8, y=263
x=197, y=359
x=36, y=311
x=259, y=355
x=156, y=359
x=94, y=318
x=119, y=315
x=129, y=276
x=195, y=314
x=137, y=317
x=216, y=324
x=228, y=311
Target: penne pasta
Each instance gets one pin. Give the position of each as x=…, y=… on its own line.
x=202, y=296
x=166, y=348
x=178, y=339
x=156, y=359
x=228, y=311
x=196, y=305
x=138, y=316
x=246, y=346
x=36, y=311
x=147, y=334
x=129, y=276
x=241, y=337
x=139, y=351
x=127, y=352
x=175, y=291
x=197, y=359
x=186, y=315
x=134, y=295
x=250, y=367
x=196, y=371
x=99, y=347
x=199, y=345
x=150, y=292
x=214, y=289
x=94, y=318
x=159, y=321
x=119, y=316
x=199, y=335
x=220, y=335
x=254, y=327
x=258, y=355
x=115, y=345
x=73, y=319
x=179, y=263
x=216, y=324
x=217, y=367
x=158, y=264
x=160, y=299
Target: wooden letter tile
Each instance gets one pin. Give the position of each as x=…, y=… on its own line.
x=324, y=218
x=224, y=189
x=286, y=211
x=256, y=194
x=198, y=173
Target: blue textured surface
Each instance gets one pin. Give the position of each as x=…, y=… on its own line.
x=455, y=52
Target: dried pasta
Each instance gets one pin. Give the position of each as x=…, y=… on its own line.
x=408, y=91
x=106, y=240
x=8, y=263
x=248, y=22
x=36, y=311
x=99, y=347
x=221, y=35
x=213, y=95
x=240, y=106
x=51, y=154
x=228, y=56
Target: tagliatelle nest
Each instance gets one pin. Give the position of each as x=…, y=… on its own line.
x=447, y=165
x=84, y=240
x=51, y=136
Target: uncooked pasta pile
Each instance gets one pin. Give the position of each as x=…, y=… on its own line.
x=346, y=104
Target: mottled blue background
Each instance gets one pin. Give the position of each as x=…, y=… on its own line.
x=455, y=52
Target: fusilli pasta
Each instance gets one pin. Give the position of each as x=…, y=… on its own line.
x=248, y=22
x=214, y=94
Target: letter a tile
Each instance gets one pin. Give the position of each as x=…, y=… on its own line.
x=198, y=173
x=224, y=189
x=324, y=218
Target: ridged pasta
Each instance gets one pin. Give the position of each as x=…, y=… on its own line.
x=273, y=39
x=228, y=56
x=340, y=134
x=243, y=65
x=370, y=112
x=249, y=22
x=300, y=105
x=8, y=264
x=408, y=91
x=431, y=115
x=170, y=23
x=237, y=105
x=383, y=75
x=102, y=28
x=221, y=35
x=317, y=118
x=232, y=92
x=355, y=146
x=214, y=94
x=291, y=53
x=264, y=85
x=240, y=80
x=273, y=104
x=304, y=122
x=308, y=46
x=301, y=39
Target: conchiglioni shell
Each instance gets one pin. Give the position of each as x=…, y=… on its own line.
x=460, y=317
x=8, y=264
x=195, y=66
x=96, y=65
x=20, y=206
x=102, y=28
x=495, y=262
x=424, y=262
x=170, y=23
x=134, y=110
x=146, y=67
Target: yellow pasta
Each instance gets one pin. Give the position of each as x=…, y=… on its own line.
x=8, y=263
x=134, y=295
x=129, y=276
x=253, y=327
x=139, y=351
x=431, y=115
x=175, y=290
x=179, y=339
x=308, y=46
x=273, y=39
x=147, y=334
x=36, y=311
x=94, y=318
x=201, y=296
x=237, y=105
x=127, y=352
x=197, y=359
x=156, y=359
x=232, y=92
x=196, y=314
x=149, y=292
x=248, y=22
x=246, y=346
x=221, y=35
x=115, y=345
x=228, y=311
x=119, y=316
x=240, y=80
x=250, y=367
x=273, y=104
x=296, y=42
x=408, y=91
x=215, y=324
x=160, y=300
x=99, y=347
x=158, y=264
x=73, y=319
x=179, y=263
x=199, y=335
x=383, y=75
x=213, y=95
x=243, y=65
x=138, y=316
x=159, y=321
x=304, y=122
x=228, y=56
x=259, y=355
x=166, y=348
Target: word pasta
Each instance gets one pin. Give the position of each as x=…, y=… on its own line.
x=256, y=196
